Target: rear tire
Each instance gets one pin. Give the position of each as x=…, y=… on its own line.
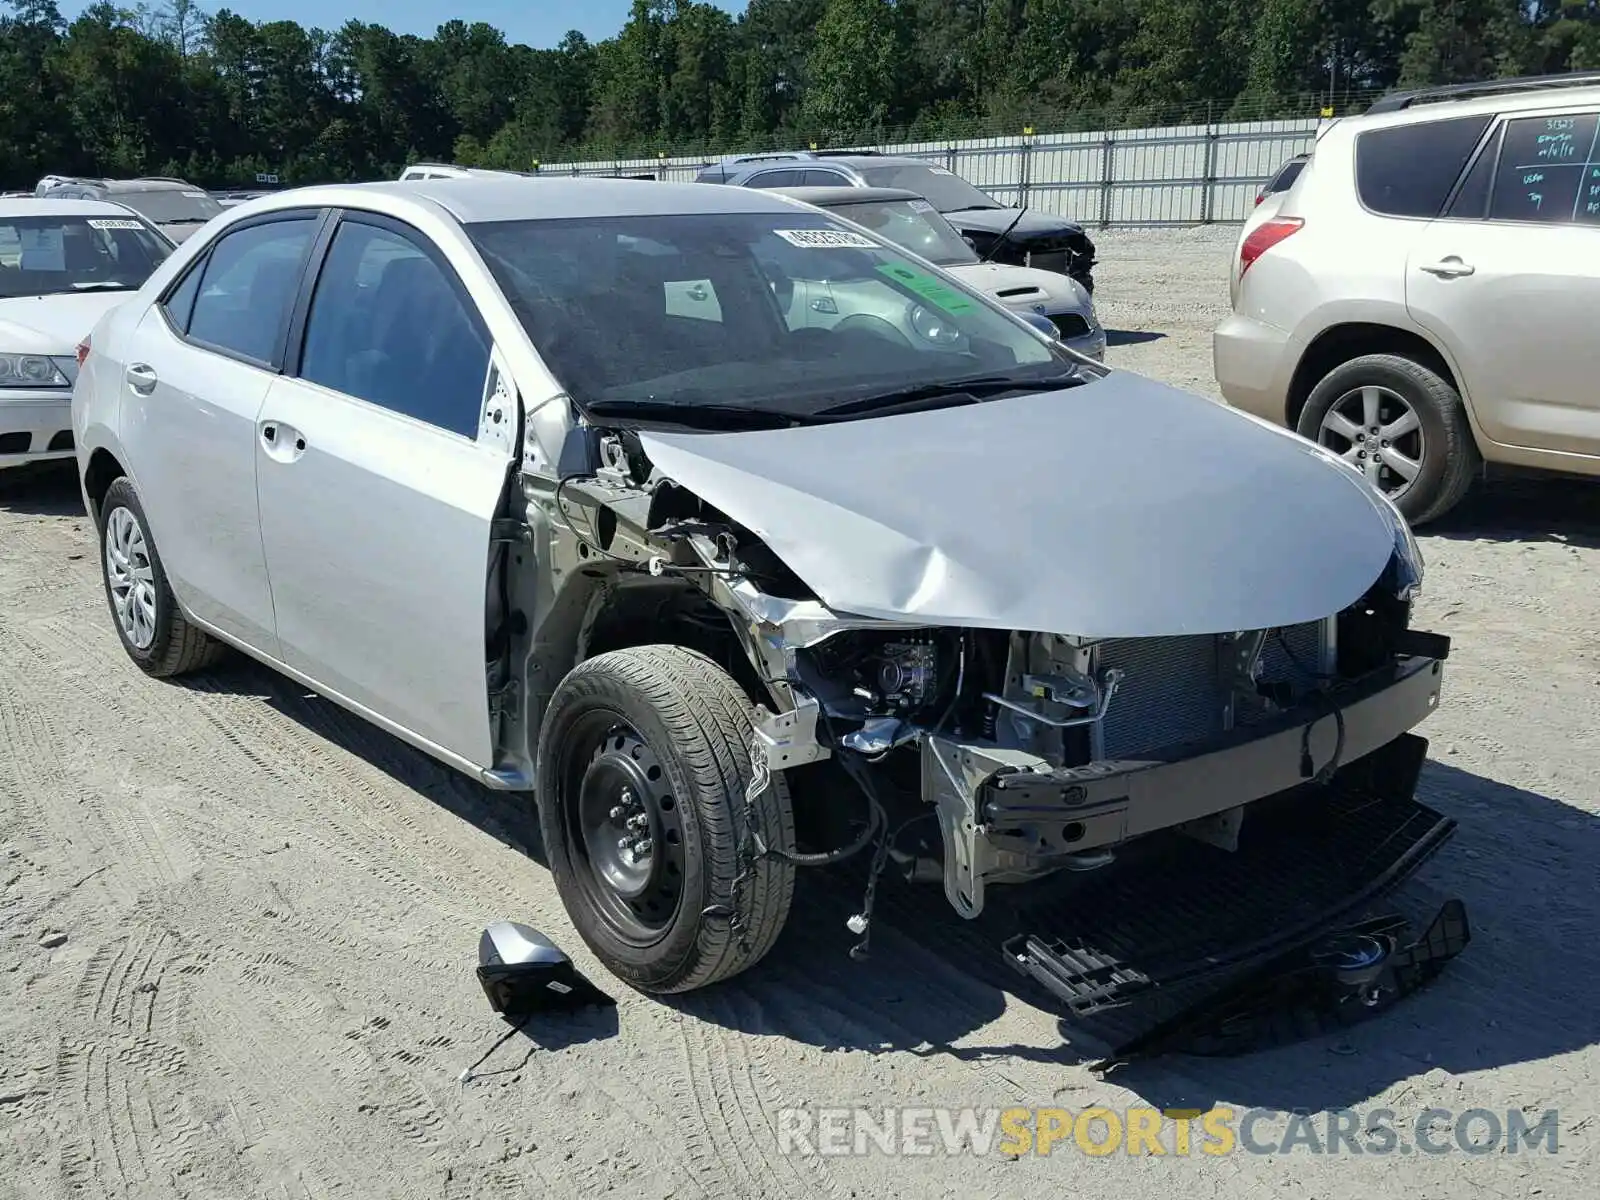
x=649, y=749
x=144, y=611
x=1437, y=445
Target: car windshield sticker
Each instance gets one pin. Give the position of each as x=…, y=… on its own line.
x=117, y=223
x=826, y=239
x=43, y=250
x=195, y=195
x=921, y=206
x=932, y=289
x=941, y=171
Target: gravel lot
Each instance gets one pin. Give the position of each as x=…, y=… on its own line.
x=237, y=926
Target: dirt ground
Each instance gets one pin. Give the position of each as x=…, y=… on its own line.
x=237, y=927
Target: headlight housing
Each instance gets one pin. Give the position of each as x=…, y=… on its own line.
x=1406, y=568
x=1407, y=563
x=31, y=371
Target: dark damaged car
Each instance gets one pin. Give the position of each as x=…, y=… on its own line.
x=559, y=485
x=1011, y=236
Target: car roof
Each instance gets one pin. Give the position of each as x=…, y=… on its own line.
x=483, y=198
x=1509, y=103
x=39, y=206
x=825, y=196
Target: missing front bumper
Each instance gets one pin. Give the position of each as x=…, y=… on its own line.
x=1006, y=816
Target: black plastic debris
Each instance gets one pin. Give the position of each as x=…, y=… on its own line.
x=523, y=973
x=1315, y=989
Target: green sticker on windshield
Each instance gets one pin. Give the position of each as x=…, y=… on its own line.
x=930, y=287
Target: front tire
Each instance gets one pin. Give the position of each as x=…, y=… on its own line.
x=1402, y=425
x=644, y=760
x=144, y=611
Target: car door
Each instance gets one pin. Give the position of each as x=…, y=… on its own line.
x=376, y=493
x=1506, y=281
x=196, y=374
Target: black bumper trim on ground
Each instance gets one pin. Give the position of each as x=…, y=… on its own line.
x=1306, y=860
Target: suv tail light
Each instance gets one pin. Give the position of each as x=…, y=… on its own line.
x=83, y=350
x=1264, y=237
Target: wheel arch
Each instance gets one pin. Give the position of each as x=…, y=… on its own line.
x=102, y=471
x=1352, y=339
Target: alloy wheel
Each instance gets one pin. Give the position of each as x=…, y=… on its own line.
x=1377, y=431
x=131, y=578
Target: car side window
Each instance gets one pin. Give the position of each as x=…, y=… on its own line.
x=776, y=179
x=389, y=326
x=1549, y=171
x=248, y=286
x=1409, y=170
x=180, y=304
x=1472, y=197
x=815, y=178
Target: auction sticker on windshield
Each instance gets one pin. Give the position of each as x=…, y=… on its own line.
x=935, y=292
x=826, y=239
x=112, y=223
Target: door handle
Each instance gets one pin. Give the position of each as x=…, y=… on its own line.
x=282, y=443
x=1449, y=268
x=141, y=378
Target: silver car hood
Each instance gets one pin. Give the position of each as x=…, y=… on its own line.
x=1120, y=508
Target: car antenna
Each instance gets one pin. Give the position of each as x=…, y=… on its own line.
x=1004, y=234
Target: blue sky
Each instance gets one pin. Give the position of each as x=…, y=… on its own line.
x=534, y=22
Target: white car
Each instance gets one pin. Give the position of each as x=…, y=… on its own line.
x=63, y=264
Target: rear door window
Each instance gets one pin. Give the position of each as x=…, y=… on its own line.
x=251, y=277
x=1549, y=171
x=1409, y=170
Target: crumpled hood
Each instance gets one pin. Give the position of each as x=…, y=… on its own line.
x=52, y=324
x=1120, y=508
x=1057, y=292
x=1034, y=226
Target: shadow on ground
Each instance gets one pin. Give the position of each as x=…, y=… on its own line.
x=1527, y=508
x=48, y=489
x=1523, y=990
x=1132, y=337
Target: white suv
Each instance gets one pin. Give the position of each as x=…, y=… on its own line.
x=1423, y=299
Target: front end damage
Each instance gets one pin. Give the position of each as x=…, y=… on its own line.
x=1034, y=755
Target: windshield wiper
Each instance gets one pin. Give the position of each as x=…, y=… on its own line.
x=694, y=413
x=944, y=395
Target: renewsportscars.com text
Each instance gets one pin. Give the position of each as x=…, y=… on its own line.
x=1214, y=1132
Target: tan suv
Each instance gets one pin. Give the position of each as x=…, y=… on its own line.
x=1424, y=298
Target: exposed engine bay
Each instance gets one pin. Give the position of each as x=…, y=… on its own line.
x=1030, y=752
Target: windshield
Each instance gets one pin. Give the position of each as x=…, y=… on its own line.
x=171, y=206
x=43, y=256
x=948, y=191
x=914, y=224
x=784, y=313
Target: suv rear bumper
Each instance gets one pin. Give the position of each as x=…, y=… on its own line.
x=1248, y=357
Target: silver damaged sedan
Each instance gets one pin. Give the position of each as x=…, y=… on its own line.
x=557, y=481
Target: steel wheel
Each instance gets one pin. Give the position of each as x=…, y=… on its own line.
x=1376, y=430
x=624, y=824
x=130, y=578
